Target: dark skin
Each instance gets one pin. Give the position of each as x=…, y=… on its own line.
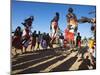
x=55, y=19
x=33, y=43
x=16, y=41
x=71, y=16
x=38, y=39
x=77, y=39
x=48, y=39
x=28, y=21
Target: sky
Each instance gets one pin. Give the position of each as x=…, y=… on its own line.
x=44, y=12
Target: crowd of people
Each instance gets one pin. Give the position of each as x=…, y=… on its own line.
x=21, y=39
x=37, y=40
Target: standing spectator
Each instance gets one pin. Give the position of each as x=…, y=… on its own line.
x=92, y=51
x=43, y=41
x=61, y=40
x=16, y=41
x=91, y=44
x=48, y=39
x=78, y=41
x=33, y=40
x=38, y=40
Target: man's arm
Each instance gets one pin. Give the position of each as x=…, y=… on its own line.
x=75, y=17
x=67, y=17
x=51, y=26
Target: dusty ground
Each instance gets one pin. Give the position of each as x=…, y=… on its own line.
x=50, y=60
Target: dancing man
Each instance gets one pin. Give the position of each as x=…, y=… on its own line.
x=72, y=24
x=72, y=21
x=27, y=32
x=54, y=26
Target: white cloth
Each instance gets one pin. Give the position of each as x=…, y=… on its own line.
x=61, y=42
x=24, y=33
x=26, y=43
x=72, y=29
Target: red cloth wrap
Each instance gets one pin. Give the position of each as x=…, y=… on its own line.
x=69, y=35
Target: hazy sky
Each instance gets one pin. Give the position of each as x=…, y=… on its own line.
x=44, y=12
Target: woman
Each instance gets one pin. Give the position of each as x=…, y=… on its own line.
x=33, y=40
x=16, y=41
